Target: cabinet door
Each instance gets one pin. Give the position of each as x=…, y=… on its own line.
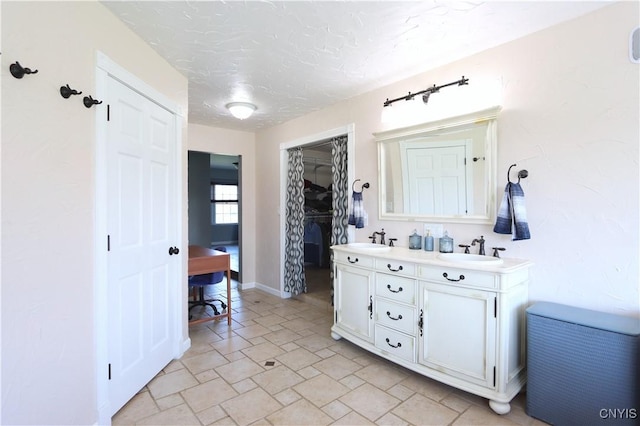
x=354, y=300
x=459, y=332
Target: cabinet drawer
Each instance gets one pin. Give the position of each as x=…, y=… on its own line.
x=396, y=316
x=446, y=275
x=355, y=259
x=396, y=267
x=395, y=343
x=396, y=288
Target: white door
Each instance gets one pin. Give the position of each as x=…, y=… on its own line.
x=436, y=182
x=141, y=221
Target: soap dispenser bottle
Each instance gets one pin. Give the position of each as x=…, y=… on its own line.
x=446, y=243
x=428, y=241
x=415, y=240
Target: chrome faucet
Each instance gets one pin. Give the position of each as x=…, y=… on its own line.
x=481, y=242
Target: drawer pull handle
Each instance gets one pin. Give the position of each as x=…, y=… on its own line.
x=395, y=319
x=352, y=261
x=394, y=270
x=394, y=291
x=398, y=346
x=444, y=274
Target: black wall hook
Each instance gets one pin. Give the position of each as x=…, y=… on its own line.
x=364, y=185
x=521, y=174
x=89, y=101
x=18, y=71
x=67, y=91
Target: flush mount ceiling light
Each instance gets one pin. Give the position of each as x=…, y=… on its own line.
x=241, y=110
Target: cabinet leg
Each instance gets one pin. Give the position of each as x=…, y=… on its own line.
x=335, y=336
x=500, y=407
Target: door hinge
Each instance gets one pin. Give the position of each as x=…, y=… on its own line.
x=108, y=242
x=108, y=112
x=109, y=371
x=495, y=307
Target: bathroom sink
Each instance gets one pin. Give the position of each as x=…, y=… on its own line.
x=368, y=246
x=474, y=259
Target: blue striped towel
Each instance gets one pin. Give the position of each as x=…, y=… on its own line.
x=512, y=215
x=357, y=215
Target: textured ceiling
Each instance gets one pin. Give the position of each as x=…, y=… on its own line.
x=293, y=57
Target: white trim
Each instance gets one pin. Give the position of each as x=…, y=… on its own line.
x=105, y=68
x=349, y=130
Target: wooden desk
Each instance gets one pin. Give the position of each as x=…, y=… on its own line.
x=203, y=260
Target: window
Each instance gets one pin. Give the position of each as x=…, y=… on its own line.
x=224, y=203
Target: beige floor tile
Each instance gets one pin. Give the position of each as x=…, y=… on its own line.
x=337, y=366
x=239, y=370
x=352, y=419
x=204, y=361
x=308, y=372
x=211, y=415
x=456, y=403
x=251, y=406
x=427, y=387
x=321, y=390
x=297, y=325
x=207, y=375
x=232, y=344
x=288, y=347
x=263, y=352
x=477, y=415
x=277, y=379
x=287, y=397
x=352, y=381
x=179, y=415
x=208, y=394
x=270, y=320
x=298, y=359
x=140, y=406
x=314, y=343
x=234, y=356
x=391, y=420
x=244, y=385
x=370, y=401
x=282, y=336
x=301, y=412
x=170, y=401
x=252, y=331
x=336, y=409
x=382, y=375
x=174, y=382
x=421, y=410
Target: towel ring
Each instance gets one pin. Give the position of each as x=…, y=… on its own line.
x=364, y=185
x=521, y=174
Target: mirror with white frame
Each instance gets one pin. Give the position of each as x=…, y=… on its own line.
x=441, y=171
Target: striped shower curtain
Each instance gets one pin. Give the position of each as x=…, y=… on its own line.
x=294, y=281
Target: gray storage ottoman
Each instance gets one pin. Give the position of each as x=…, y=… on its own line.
x=582, y=366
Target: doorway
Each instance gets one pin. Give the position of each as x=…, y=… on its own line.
x=214, y=204
x=292, y=203
x=318, y=196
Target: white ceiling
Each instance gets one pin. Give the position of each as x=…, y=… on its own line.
x=293, y=57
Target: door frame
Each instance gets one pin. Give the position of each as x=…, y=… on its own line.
x=349, y=130
x=106, y=68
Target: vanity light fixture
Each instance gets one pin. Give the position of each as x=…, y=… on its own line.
x=427, y=92
x=241, y=110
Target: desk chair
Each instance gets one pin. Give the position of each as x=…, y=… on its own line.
x=200, y=282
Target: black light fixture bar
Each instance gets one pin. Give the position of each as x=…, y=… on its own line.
x=462, y=82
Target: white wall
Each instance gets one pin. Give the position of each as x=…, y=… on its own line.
x=570, y=99
x=48, y=152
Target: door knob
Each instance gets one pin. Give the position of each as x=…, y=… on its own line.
x=173, y=250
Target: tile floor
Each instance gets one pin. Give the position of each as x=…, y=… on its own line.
x=277, y=365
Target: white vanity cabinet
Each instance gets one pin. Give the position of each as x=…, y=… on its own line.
x=457, y=322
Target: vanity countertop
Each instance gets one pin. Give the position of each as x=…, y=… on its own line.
x=430, y=258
